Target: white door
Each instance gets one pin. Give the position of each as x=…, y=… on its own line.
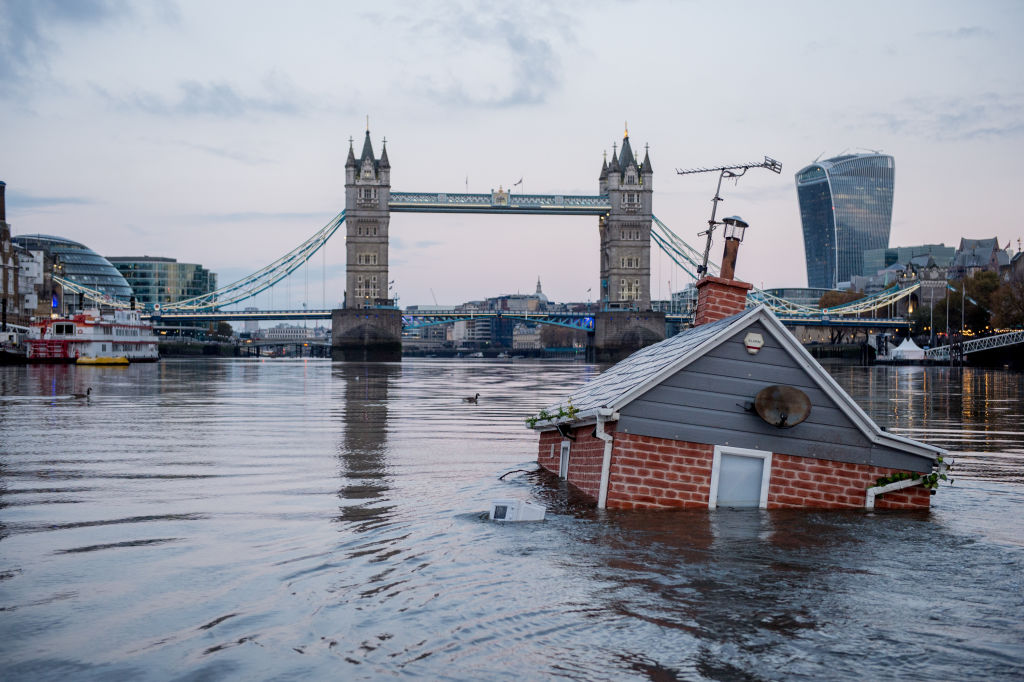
x=739, y=478
x=563, y=460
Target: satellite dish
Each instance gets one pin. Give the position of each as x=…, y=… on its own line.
x=782, y=406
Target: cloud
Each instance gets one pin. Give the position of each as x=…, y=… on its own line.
x=24, y=43
x=34, y=204
x=962, y=33
x=985, y=116
x=251, y=216
x=233, y=155
x=218, y=99
x=398, y=244
x=501, y=58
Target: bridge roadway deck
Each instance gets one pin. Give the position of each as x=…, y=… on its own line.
x=413, y=319
x=499, y=202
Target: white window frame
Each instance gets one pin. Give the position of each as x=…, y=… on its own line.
x=716, y=468
x=563, y=459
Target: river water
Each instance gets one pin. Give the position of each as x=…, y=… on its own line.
x=286, y=519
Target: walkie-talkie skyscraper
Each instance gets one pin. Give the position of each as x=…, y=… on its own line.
x=846, y=209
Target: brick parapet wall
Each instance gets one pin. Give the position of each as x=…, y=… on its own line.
x=586, y=455
x=809, y=482
x=657, y=473
x=718, y=298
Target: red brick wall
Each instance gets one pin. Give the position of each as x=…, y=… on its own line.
x=547, y=452
x=586, y=455
x=657, y=473
x=718, y=298
x=654, y=473
x=809, y=482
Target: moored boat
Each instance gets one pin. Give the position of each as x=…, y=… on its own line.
x=12, y=351
x=93, y=336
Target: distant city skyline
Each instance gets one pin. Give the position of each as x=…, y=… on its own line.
x=217, y=133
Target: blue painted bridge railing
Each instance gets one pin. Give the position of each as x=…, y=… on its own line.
x=581, y=321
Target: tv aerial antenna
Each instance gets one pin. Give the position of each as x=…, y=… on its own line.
x=733, y=172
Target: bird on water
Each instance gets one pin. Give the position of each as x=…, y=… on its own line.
x=474, y=399
x=79, y=396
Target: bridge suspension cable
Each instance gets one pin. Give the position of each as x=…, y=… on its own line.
x=94, y=295
x=262, y=279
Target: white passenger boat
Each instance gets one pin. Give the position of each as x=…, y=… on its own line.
x=93, y=336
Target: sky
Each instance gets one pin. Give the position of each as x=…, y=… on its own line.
x=217, y=132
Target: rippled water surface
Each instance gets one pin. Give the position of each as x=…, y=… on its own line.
x=245, y=519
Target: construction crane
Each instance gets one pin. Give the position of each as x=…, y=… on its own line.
x=736, y=171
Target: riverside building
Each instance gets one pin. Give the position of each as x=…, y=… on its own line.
x=157, y=280
x=77, y=263
x=846, y=209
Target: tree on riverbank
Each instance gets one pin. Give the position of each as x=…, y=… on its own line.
x=977, y=313
x=1008, y=306
x=831, y=299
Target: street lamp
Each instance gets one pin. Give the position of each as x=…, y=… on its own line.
x=735, y=227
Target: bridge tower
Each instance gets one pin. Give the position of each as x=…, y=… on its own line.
x=367, y=192
x=369, y=326
x=626, y=230
x=626, y=322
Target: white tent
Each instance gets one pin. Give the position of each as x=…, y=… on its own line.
x=908, y=350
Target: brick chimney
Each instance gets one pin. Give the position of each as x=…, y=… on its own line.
x=718, y=297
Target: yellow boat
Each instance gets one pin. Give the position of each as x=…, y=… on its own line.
x=103, y=360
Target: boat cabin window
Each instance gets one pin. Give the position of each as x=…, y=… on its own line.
x=63, y=328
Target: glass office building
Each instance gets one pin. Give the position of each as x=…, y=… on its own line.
x=164, y=280
x=78, y=263
x=880, y=259
x=846, y=209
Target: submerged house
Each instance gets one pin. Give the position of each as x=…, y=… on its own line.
x=732, y=412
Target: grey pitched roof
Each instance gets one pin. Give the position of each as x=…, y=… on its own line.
x=351, y=161
x=626, y=156
x=367, y=152
x=646, y=167
x=987, y=244
x=608, y=389
x=384, y=163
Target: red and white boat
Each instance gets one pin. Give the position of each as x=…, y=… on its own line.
x=94, y=337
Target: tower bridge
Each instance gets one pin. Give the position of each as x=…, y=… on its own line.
x=622, y=205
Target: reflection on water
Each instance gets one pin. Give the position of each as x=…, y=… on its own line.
x=978, y=413
x=271, y=519
x=363, y=413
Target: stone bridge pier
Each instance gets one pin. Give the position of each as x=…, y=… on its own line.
x=367, y=335
x=619, y=333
